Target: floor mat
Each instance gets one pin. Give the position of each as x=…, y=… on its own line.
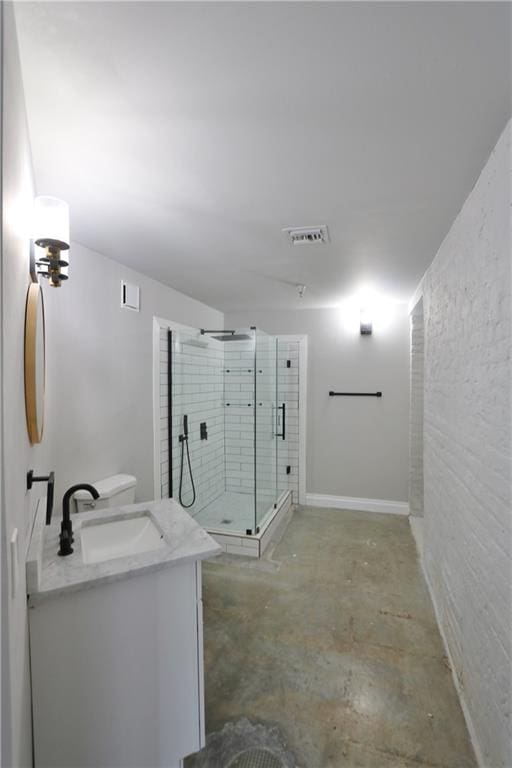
x=243, y=745
x=256, y=757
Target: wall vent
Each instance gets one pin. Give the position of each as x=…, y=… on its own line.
x=130, y=296
x=307, y=235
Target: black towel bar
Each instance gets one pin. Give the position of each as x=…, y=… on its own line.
x=355, y=394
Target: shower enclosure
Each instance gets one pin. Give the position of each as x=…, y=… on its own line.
x=227, y=426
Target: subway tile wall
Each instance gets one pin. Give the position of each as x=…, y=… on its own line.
x=239, y=416
x=266, y=424
x=198, y=392
x=288, y=389
x=216, y=385
x=164, y=414
x=239, y=434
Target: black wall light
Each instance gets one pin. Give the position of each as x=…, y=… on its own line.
x=51, y=232
x=365, y=322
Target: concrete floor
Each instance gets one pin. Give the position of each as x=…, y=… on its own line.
x=334, y=643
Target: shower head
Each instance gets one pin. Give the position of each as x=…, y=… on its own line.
x=233, y=337
x=227, y=335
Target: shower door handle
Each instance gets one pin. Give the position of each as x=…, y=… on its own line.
x=283, y=421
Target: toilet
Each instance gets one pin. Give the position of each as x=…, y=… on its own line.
x=114, y=491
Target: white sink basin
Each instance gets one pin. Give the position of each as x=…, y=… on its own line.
x=119, y=538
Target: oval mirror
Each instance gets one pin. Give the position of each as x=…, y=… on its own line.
x=34, y=363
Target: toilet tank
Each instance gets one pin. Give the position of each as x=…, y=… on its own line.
x=115, y=491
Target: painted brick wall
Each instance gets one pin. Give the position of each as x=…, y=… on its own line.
x=467, y=451
x=416, y=415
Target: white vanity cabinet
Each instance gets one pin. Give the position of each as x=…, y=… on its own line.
x=116, y=645
x=117, y=676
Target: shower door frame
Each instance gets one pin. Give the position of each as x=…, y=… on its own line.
x=272, y=405
x=160, y=323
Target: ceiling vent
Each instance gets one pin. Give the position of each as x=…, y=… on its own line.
x=307, y=235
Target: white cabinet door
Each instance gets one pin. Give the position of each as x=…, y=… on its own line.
x=117, y=673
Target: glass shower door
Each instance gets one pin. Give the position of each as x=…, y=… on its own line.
x=266, y=426
x=185, y=350
x=196, y=421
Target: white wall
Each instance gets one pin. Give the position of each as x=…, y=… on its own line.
x=356, y=446
x=467, y=452
x=100, y=370
x=18, y=456
x=99, y=417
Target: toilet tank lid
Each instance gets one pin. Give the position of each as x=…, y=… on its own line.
x=109, y=487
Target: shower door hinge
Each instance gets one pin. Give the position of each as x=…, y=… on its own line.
x=288, y=363
x=288, y=469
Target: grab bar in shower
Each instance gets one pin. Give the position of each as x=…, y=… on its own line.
x=355, y=394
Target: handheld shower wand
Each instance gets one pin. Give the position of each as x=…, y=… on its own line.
x=183, y=438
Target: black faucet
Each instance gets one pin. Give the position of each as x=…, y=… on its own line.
x=66, y=527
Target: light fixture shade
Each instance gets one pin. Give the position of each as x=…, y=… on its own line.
x=51, y=223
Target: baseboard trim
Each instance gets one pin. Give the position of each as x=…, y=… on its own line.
x=360, y=505
x=417, y=528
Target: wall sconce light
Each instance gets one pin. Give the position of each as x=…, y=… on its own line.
x=51, y=232
x=365, y=322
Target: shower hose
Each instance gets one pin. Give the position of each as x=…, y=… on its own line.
x=184, y=442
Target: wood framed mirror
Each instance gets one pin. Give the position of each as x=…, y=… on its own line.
x=35, y=363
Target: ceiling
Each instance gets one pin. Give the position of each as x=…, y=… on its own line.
x=186, y=135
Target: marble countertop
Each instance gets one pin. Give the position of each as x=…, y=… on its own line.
x=49, y=575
